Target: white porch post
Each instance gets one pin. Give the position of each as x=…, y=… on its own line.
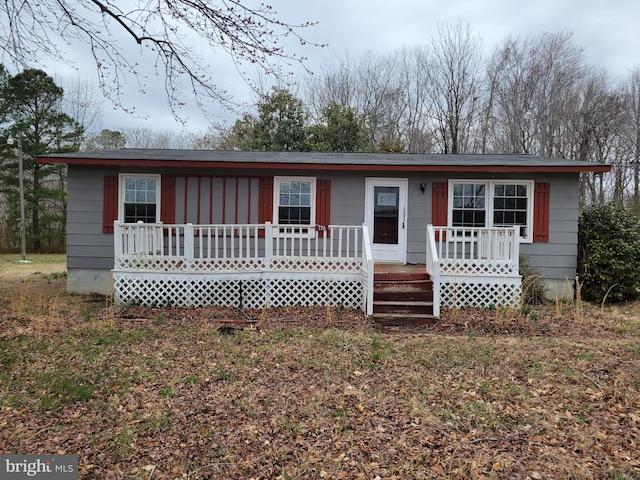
x=515, y=242
x=268, y=254
x=367, y=267
x=433, y=266
x=268, y=243
x=188, y=245
x=117, y=242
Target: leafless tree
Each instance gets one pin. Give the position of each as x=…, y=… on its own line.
x=368, y=84
x=143, y=137
x=380, y=97
x=389, y=90
x=167, y=31
x=455, y=74
x=416, y=127
x=632, y=128
x=214, y=139
x=81, y=102
x=335, y=81
x=512, y=88
x=105, y=140
x=593, y=133
x=531, y=83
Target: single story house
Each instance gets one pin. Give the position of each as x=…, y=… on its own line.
x=248, y=228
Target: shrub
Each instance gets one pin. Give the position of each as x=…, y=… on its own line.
x=608, y=254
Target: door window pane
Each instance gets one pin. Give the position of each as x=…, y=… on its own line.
x=386, y=214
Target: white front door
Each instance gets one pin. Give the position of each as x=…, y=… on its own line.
x=386, y=218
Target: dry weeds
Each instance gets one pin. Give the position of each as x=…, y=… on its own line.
x=318, y=393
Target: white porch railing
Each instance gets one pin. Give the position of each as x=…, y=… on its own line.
x=474, y=266
x=262, y=264
x=367, y=264
x=255, y=263
x=433, y=268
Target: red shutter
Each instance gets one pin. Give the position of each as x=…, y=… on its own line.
x=439, y=203
x=110, y=202
x=265, y=201
x=323, y=206
x=541, y=212
x=168, y=199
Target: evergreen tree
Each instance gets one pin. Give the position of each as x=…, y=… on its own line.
x=105, y=140
x=341, y=129
x=281, y=124
x=30, y=105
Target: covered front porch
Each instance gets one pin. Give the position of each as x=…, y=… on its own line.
x=259, y=265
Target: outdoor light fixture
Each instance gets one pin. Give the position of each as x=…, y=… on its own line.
x=423, y=187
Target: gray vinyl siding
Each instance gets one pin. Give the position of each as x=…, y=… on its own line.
x=557, y=259
x=347, y=199
x=553, y=260
x=418, y=217
x=87, y=246
x=217, y=191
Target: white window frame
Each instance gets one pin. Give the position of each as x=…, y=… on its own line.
x=489, y=198
x=121, y=192
x=288, y=230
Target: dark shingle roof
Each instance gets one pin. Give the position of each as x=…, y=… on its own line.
x=320, y=160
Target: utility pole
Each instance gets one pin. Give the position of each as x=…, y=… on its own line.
x=22, y=226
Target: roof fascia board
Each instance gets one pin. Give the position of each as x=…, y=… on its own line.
x=325, y=166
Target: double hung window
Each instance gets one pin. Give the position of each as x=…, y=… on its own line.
x=140, y=198
x=492, y=203
x=294, y=203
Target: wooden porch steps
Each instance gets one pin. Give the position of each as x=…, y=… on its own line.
x=402, y=295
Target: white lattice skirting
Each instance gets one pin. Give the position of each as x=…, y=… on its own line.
x=456, y=292
x=242, y=291
x=486, y=267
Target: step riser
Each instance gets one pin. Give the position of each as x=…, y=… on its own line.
x=403, y=297
x=398, y=292
x=411, y=309
x=400, y=277
x=396, y=288
x=401, y=286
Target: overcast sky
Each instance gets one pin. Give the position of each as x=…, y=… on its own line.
x=608, y=30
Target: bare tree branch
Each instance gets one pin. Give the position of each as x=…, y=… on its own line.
x=169, y=30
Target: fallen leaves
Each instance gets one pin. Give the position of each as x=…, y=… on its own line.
x=181, y=399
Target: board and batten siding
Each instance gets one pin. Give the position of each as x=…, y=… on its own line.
x=208, y=199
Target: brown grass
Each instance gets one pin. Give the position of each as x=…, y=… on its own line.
x=317, y=393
